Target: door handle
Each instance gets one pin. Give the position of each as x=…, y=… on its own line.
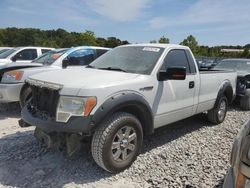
x=191, y=84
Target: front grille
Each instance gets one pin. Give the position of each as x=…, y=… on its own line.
x=44, y=101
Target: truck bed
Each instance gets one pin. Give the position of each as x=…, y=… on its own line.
x=214, y=71
x=210, y=83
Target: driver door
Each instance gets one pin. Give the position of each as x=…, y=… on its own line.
x=177, y=96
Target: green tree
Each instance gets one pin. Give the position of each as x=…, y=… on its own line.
x=101, y=41
x=124, y=42
x=164, y=40
x=153, y=41
x=246, y=53
x=88, y=38
x=113, y=42
x=192, y=43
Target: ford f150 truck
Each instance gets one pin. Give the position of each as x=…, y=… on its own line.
x=13, y=75
x=22, y=54
x=122, y=96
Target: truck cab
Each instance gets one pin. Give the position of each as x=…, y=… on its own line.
x=22, y=54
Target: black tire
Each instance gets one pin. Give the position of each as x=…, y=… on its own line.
x=25, y=95
x=217, y=114
x=108, y=135
x=245, y=101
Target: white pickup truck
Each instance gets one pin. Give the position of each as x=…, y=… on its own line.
x=123, y=96
x=22, y=54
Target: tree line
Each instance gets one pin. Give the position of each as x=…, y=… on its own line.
x=54, y=38
x=61, y=38
x=206, y=51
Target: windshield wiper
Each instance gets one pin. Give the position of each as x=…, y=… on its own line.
x=113, y=68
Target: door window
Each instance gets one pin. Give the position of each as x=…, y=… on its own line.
x=176, y=58
x=100, y=52
x=45, y=50
x=27, y=54
x=81, y=57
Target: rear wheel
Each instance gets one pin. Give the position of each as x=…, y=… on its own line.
x=218, y=113
x=245, y=101
x=117, y=142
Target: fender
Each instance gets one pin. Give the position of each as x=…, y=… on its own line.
x=127, y=102
x=227, y=90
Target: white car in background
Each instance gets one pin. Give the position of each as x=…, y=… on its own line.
x=13, y=76
x=22, y=54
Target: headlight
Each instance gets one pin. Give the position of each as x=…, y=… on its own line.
x=12, y=76
x=74, y=106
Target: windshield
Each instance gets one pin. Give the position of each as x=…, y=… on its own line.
x=49, y=57
x=132, y=59
x=7, y=53
x=4, y=50
x=235, y=65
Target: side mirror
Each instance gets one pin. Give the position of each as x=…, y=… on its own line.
x=172, y=73
x=65, y=63
x=14, y=58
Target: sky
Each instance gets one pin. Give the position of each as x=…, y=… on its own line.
x=211, y=22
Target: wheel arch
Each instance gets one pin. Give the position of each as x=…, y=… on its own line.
x=126, y=102
x=227, y=90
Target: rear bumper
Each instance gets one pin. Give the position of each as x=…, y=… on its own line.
x=74, y=125
x=10, y=92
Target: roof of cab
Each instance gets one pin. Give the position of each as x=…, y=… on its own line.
x=159, y=45
x=86, y=47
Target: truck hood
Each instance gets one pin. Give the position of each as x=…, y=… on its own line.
x=81, y=77
x=20, y=65
x=243, y=73
x=16, y=66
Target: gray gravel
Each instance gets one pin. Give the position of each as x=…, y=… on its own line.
x=190, y=153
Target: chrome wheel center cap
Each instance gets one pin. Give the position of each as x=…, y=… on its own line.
x=124, y=143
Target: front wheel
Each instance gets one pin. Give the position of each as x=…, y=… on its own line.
x=117, y=142
x=218, y=113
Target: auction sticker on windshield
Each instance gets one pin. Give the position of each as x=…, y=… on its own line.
x=150, y=49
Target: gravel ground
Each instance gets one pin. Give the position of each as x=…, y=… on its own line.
x=190, y=153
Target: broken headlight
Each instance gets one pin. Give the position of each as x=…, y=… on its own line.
x=74, y=106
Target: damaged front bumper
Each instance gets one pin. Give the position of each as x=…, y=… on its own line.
x=76, y=124
x=58, y=141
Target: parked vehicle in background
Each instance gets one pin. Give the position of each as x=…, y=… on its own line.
x=238, y=175
x=123, y=96
x=12, y=87
x=206, y=63
x=22, y=54
x=242, y=67
x=4, y=49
